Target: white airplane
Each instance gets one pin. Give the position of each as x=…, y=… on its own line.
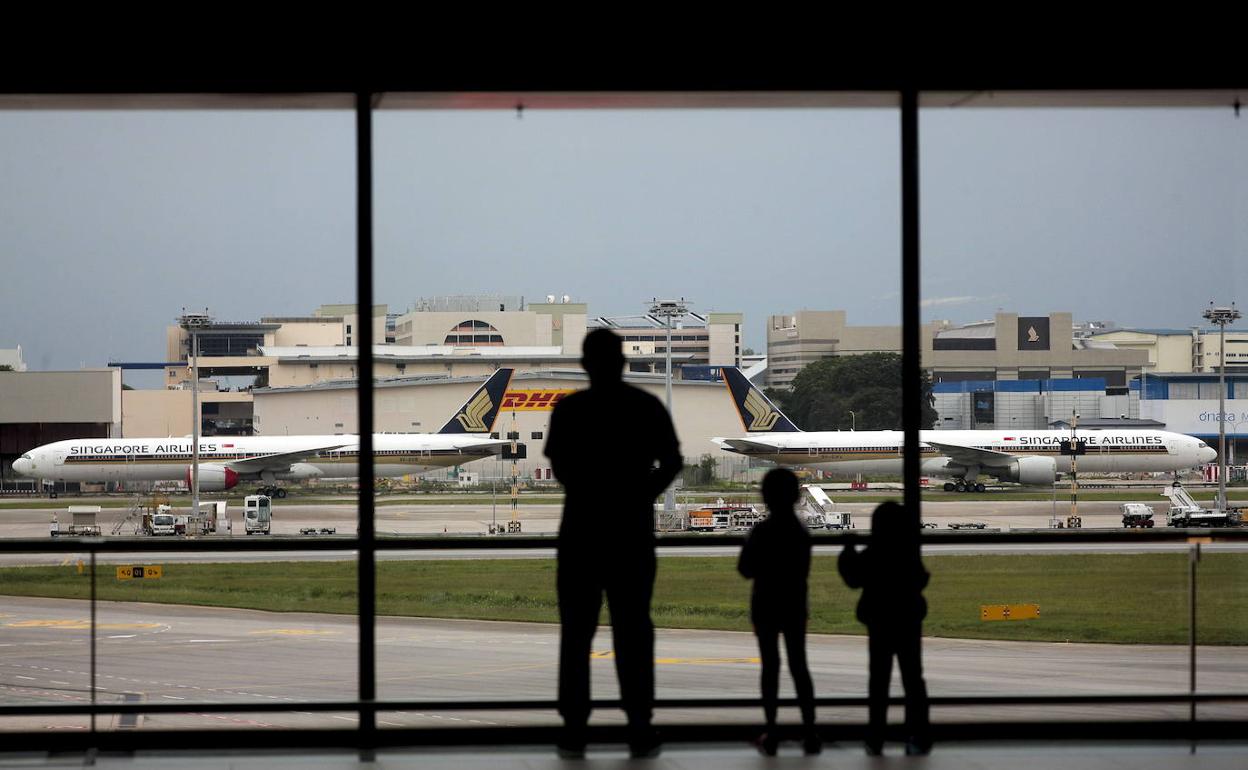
x=224, y=461
x=1021, y=456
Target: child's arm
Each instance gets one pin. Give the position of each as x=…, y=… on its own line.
x=850, y=565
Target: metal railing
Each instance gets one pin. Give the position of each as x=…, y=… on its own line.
x=367, y=708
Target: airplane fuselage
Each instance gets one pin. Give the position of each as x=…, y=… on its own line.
x=169, y=459
x=880, y=452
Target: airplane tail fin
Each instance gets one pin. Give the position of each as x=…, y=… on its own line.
x=757, y=412
x=478, y=413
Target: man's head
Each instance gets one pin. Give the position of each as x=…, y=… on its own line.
x=780, y=491
x=602, y=355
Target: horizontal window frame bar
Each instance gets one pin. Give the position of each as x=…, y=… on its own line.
x=856, y=701
x=347, y=738
x=1204, y=535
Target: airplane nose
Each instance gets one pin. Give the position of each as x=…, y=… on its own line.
x=21, y=466
x=1208, y=454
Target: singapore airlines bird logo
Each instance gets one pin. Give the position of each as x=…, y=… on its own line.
x=473, y=416
x=1031, y=334
x=764, y=417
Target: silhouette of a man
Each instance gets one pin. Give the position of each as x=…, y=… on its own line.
x=603, y=446
x=777, y=556
x=891, y=575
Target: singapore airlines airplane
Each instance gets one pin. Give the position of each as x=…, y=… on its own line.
x=1022, y=456
x=224, y=461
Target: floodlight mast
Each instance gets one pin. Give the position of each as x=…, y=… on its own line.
x=668, y=309
x=192, y=323
x=1221, y=316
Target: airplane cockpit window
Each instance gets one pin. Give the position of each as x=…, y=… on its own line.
x=27, y=457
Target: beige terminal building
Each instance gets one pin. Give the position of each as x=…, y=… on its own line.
x=298, y=373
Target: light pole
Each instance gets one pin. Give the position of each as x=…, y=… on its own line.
x=668, y=309
x=1221, y=316
x=193, y=323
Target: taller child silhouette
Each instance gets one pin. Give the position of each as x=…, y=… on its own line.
x=606, y=537
x=777, y=556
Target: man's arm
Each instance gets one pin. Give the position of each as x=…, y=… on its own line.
x=667, y=451
x=747, y=561
x=554, y=446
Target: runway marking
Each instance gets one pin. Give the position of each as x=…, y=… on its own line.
x=77, y=625
x=610, y=655
x=296, y=632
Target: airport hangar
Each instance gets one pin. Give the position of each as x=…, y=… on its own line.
x=420, y=404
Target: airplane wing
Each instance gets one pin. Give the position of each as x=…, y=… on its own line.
x=969, y=455
x=748, y=445
x=280, y=461
x=482, y=447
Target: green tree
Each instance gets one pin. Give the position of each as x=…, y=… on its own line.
x=5, y=368
x=825, y=392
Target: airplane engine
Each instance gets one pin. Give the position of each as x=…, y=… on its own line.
x=1031, y=470
x=299, y=471
x=213, y=478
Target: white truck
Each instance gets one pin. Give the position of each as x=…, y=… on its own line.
x=819, y=512
x=1185, y=512
x=159, y=522
x=257, y=514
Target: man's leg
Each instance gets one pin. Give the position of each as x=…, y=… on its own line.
x=580, y=600
x=629, y=590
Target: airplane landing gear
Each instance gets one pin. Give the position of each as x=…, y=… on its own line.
x=278, y=492
x=961, y=485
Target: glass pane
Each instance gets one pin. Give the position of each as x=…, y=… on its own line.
x=1067, y=264
x=505, y=236
x=147, y=237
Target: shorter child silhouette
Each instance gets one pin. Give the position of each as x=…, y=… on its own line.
x=891, y=575
x=776, y=556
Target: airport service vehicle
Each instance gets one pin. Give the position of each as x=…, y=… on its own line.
x=160, y=522
x=225, y=461
x=1137, y=515
x=83, y=521
x=212, y=518
x=257, y=514
x=316, y=531
x=1185, y=512
x=967, y=525
x=1023, y=457
x=821, y=512
x=722, y=517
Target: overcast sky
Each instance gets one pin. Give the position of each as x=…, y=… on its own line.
x=111, y=222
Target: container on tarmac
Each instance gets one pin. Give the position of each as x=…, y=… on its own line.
x=257, y=514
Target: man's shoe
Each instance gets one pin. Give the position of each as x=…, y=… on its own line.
x=571, y=743
x=918, y=748
x=645, y=744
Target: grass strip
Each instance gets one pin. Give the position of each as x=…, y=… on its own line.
x=1118, y=598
